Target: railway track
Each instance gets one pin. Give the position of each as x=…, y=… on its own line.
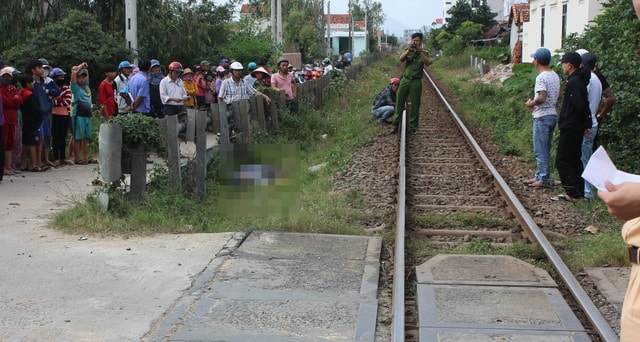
x=450, y=194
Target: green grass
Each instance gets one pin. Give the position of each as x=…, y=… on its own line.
x=459, y=221
x=310, y=205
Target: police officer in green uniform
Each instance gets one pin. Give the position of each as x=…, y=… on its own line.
x=411, y=82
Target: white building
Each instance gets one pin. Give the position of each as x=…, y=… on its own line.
x=340, y=39
x=551, y=21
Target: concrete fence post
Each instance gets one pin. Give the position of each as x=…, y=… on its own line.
x=173, y=151
x=138, y=173
x=223, y=114
x=110, y=151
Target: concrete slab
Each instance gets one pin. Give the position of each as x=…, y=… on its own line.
x=491, y=298
x=481, y=270
x=493, y=307
x=286, y=287
x=488, y=335
x=612, y=283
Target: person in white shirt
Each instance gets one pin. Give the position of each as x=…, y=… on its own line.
x=172, y=92
x=327, y=66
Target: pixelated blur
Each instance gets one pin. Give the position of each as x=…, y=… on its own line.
x=258, y=180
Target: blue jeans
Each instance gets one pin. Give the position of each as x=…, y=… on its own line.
x=383, y=112
x=542, y=136
x=587, y=150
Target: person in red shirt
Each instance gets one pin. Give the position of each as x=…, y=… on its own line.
x=106, y=96
x=11, y=101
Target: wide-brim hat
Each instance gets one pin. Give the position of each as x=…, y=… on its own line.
x=187, y=71
x=262, y=70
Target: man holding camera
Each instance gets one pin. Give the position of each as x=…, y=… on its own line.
x=411, y=82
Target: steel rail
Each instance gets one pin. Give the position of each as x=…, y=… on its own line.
x=533, y=231
x=397, y=328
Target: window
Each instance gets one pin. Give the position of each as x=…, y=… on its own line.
x=564, y=21
x=542, y=13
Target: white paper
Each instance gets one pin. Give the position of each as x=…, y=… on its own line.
x=600, y=168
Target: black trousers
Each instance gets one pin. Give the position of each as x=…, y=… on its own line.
x=59, y=130
x=568, y=162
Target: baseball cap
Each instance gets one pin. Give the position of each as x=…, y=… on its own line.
x=45, y=63
x=220, y=69
x=205, y=63
x=542, y=54
x=155, y=62
x=224, y=60
x=394, y=80
x=82, y=72
x=572, y=58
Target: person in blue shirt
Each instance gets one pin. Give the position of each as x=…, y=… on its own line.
x=81, y=112
x=155, y=76
x=139, y=90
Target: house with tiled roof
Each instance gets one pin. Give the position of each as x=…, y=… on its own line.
x=518, y=15
x=249, y=11
x=338, y=34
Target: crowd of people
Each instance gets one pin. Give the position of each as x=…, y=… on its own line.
x=43, y=107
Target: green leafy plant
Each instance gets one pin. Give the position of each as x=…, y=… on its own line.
x=140, y=130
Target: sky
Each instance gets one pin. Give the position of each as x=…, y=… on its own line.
x=400, y=14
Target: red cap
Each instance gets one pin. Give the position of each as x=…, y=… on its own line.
x=394, y=80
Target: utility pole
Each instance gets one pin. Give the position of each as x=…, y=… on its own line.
x=131, y=29
x=329, y=40
x=324, y=41
x=274, y=32
x=366, y=25
x=279, y=20
x=351, y=30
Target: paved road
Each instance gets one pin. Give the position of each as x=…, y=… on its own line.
x=57, y=287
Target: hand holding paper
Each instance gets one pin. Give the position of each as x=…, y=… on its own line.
x=600, y=169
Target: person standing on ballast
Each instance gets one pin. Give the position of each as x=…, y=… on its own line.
x=410, y=87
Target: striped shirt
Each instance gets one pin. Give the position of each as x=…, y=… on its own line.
x=230, y=91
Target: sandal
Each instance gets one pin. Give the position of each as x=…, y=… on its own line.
x=565, y=198
x=92, y=161
x=36, y=169
x=81, y=162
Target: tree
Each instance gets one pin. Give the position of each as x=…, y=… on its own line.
x=484, y=16
x=469, y=31
x=249, y=44
x=19, y=16
x=84, y=41
x=459, y=13
x=372, y=11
